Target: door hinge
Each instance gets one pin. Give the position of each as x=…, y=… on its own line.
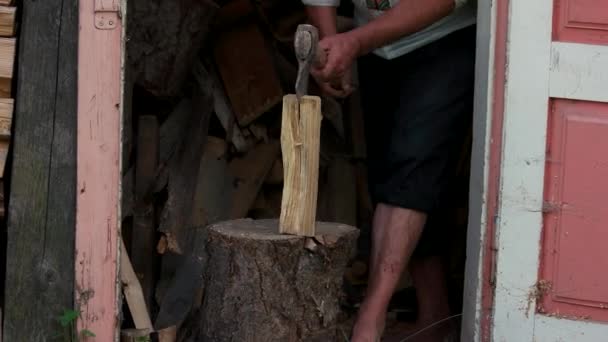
x=107, y=14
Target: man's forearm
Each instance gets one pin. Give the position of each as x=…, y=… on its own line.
x=407, y=17
x=323, y=18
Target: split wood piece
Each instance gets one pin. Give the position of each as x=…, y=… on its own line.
x=250, y=78
x=134, y=335
x=7, y=21
x=212, y=198
x=143, y=241
x=133, y=292
x=249, y=173
x=168, y=335
x=6, y=2
x=287, y=288
x=225, y=115
x=6, y=117
x=7, y=62
x=183, y=169
x=300, y=140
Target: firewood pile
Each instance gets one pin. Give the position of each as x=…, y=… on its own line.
x=8, y=44
x=205, y=82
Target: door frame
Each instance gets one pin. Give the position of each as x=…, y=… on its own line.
x=100, y=107
x=486, y=155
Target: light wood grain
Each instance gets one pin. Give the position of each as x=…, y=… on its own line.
x=7, y=21
x=300, y=140
x=6, y=2
x=7, y=63
x=6, y=117
x=133, y=292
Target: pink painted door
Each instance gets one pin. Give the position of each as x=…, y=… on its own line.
x=551, y=282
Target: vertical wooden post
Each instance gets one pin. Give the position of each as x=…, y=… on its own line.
x=99, y=124
x=40, y=251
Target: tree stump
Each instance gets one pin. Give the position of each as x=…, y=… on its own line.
x=264, y=286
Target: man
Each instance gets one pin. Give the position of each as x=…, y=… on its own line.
x=416, y=72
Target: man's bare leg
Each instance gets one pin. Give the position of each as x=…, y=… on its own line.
x=394, y=237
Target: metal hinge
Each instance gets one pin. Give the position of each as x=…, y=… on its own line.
x=107, y=14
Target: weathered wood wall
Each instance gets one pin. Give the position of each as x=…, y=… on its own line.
x=41, y=220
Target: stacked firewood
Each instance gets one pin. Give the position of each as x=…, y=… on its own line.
x=201, y=139
x=7, y=61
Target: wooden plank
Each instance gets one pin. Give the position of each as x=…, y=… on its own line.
x=212, y=198
x=40, y=251
x=7, y=21
x=98, y=193
x=183, y=167
x=133, y=291
x=6, y=119
x=250, y=78
x=6, y=2
x=300, y=140
x=7, y=63
x=143, y=241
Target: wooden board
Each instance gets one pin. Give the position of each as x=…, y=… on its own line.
x=7, y=21
x=6, y=2
x=41, y=220
x=300, y=140
x=6, y=119
x=97, y=214
x=249, y=76
x=143, y=241
x=7, y=63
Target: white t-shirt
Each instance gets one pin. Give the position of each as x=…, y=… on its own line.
x=464, y=15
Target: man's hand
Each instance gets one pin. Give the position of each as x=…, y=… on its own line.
x=335, y=77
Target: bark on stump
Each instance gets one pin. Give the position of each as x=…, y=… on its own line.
x=263, y=286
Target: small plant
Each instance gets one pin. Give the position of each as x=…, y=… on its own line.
x=68, y=322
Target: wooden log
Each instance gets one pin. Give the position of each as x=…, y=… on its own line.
x=281, y=287
x=164, y=39
x=300, y=140
x=41, y=220
x=7, y=63
x=7, y=21
x=143, y=241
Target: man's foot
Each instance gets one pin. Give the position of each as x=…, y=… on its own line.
x=368, y=328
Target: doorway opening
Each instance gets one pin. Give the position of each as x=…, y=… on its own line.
x=201, y=145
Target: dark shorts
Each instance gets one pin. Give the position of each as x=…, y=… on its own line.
x=418, y=110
